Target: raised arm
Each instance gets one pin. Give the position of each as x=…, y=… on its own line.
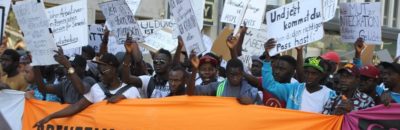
x=126, y=75
x=42, y=87
x=359, y=46
x=68, y=111
x=177, y=55
x=299, y=67
x=75, y=79
x=191, y=83
x=242, y=33
x=104, y=43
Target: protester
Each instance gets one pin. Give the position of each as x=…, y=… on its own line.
x=256, y=66
x=75, y=86
x=177, y=80
x=308, y=96
x=12, y=77
x=369, y=81
x=349, y=99
x=110, y=89
x=33, y=87
x=391, y=81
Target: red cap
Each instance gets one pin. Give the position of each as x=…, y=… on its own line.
x=370, y=71
x=208, y=59
x=351, y=68
x=331, y=56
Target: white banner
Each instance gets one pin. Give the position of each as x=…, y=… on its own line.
x=254, y=13
x=12, y=107
x=148, y=27
x=329, y=7
x=6, y=4
x=295, y=24
x=96, y=32
x=361, y=20
x=69, y=24
x=161, y=39
x=253, y=43
x=398, y=46
x=32, y=20
x=133, y=5
x=185, y=19
x=120, y=18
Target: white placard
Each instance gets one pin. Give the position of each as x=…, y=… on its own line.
x=329, y=7
x=69, y=24
x=72, y=52
x=161, y=39
x=120, y=18
x=35, y=27
x=198, y=8
x=6, y=4
x=113, y=46
x=361, y=20
x=384, y=56
x=253, y=43
x=148, y=27
x=133, y=5
x=247, y=61
x=253, y=15
x=96, y=32
x=295, y=24
x=398, y=46
x=185, y=19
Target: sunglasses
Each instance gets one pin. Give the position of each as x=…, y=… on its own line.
x=159, y=62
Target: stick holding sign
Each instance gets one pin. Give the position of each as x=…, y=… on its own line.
x=187, y=25
x=361, y=20
x=35, y=27
x=295, y=24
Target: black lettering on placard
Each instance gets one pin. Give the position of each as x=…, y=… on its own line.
x=365, y=124
x=291, y=24
x=286, y=13
x=66, y=127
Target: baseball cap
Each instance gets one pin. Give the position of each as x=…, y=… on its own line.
x=351, y=68
x=394, y=66
x=208, y=59
x=369, y=71
x=78, y=60
x=314, y=62
x=331, y=56
x=107, y=59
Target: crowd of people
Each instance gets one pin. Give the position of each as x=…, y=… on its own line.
x=321, y=84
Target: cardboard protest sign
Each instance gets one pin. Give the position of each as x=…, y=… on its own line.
x=398, y=46
x=329, y=7
x=219, y=45
x=253, y=43
x=295, y=24
x=198, y=8
x=35, y=27
x=69, y=24
x=121, y=20
x=6, y=8
x=133, y=5
x=361, y=20
x=148, y=27
x=384, y=56
x=161, y=39
x=254, y=12
x=185, y=19
x=95, y=36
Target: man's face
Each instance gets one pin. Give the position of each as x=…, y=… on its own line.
x=390, y=78
x=367, y=84
x=29, y=75
x=8, y=64
x=161, y=63
x=234, y=76
x=256, y=68
x=106, y=73
x=176, y=80
x=312, y=76
x=347, y=81
x=207, y=72
x=282, y=71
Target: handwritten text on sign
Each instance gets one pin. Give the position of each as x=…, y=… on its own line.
x=161, y=39
x=35, y=27
x=69, y=24
x=295, y=24
x=253, y=44
x=148, y=27
x=361, y=20
x=95, y=36
x=329, y=7
x=120, y=19
x=187, y=25
x=253, y=15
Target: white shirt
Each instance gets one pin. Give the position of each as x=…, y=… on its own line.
x=314, y=102
x=158, y=92
x=96, y=94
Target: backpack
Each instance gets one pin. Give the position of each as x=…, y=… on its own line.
x=108, y=93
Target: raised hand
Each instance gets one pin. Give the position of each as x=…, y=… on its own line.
x=128, y=44
x=231, y=41
x=60, y=58
x=359, y=46
x=271, y=43
x=180, y=42
x=194, y=60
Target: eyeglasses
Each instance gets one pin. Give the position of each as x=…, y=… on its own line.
x=158, y=62
x=105, y=71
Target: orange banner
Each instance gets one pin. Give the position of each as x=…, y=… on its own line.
x=182, y=112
